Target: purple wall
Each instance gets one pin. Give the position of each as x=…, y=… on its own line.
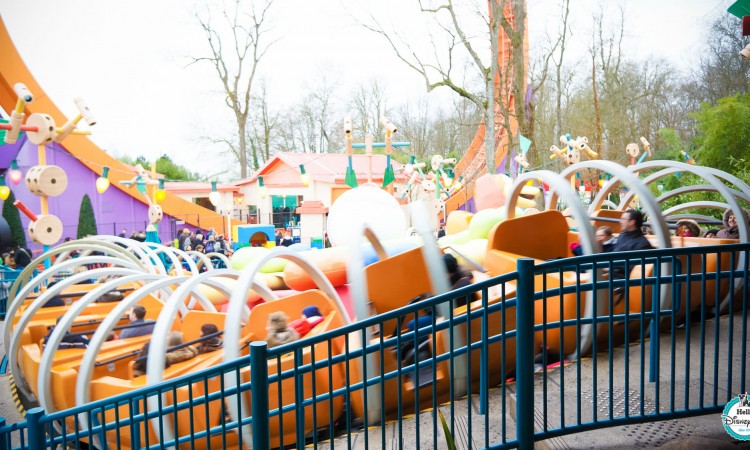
x=114, y=210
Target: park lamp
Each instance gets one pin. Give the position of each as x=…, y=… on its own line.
x=262, y=188
x=15, y=173
x=4, y=189
x=102, y=183
x=303, y=175
x=160, y=193
x=214, y=196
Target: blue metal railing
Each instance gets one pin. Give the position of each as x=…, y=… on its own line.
x=639, y=334
x=7, y=277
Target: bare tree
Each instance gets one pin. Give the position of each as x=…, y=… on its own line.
x=236, y=60
x=311, y=126
x=721, y=72
x=368, y=103
x=262, y=125
x=437, y=70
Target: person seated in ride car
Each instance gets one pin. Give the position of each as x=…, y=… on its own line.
x=311, y=316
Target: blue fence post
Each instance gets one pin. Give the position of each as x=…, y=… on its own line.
x=4, y=436
x=135, y=427
x=259, y=394
x=653, y=365
x=525, y=354
x=299, y=397
x=35, y=428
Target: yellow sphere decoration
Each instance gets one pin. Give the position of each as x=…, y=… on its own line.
x=160, y=195
x=4, y=192
x=102, y=183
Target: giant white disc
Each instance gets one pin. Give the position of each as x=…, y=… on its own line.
x=367, y=204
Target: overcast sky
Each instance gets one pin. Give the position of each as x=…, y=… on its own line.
x=129, y=59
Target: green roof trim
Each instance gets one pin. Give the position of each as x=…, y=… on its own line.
x=740, y=8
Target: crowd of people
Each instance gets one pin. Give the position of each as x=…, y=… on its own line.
x=632, y=235
x=210, y=242
x=16, y=258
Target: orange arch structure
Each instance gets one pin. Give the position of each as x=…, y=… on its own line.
x=14, y=70
x=473, y=163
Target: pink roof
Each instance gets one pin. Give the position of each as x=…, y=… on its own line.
x=283, y=168
x=197, y=186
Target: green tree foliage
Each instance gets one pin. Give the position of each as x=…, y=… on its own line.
x=723, y=132
x=13, y=217
x=164, y=166
x=86, y=219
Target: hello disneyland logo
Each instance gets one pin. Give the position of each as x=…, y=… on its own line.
x=736, y=417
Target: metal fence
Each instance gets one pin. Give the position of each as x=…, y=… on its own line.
x=7, y=277
x=485, y=367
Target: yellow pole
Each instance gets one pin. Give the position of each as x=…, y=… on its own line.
x=42, y=156
x=20, y=105
x=152, y=194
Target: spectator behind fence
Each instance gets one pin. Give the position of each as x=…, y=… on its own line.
x=22, y=256
x=179, y=354
x=688, y=228
x=211, y=344
x=311, y=317
x=112, y=296
x=458, y=277
x=605, y=238
x=82, y=269
x=9, y=262
x=711, y=234
x=68, y=337
x=278, y=330
x=732, y=231
x=54, y=301
x=141, y=362
x=138, y=325
x=631, y=238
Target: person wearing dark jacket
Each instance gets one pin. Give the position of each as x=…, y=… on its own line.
x=605, y=238
x=138, y=323
x=54, y=301
x=22, y=257
x=631, y=238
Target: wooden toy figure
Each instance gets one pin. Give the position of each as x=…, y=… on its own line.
x=633, y=151
x=44, y=229
x=646, y=148
x=43, y=180
x=520, y=159
x=573, y=147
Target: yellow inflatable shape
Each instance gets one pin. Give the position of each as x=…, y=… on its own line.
x=457, y=222
x=480, y=226
x=275, y=281
x=218, y=298
x=475, y=250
